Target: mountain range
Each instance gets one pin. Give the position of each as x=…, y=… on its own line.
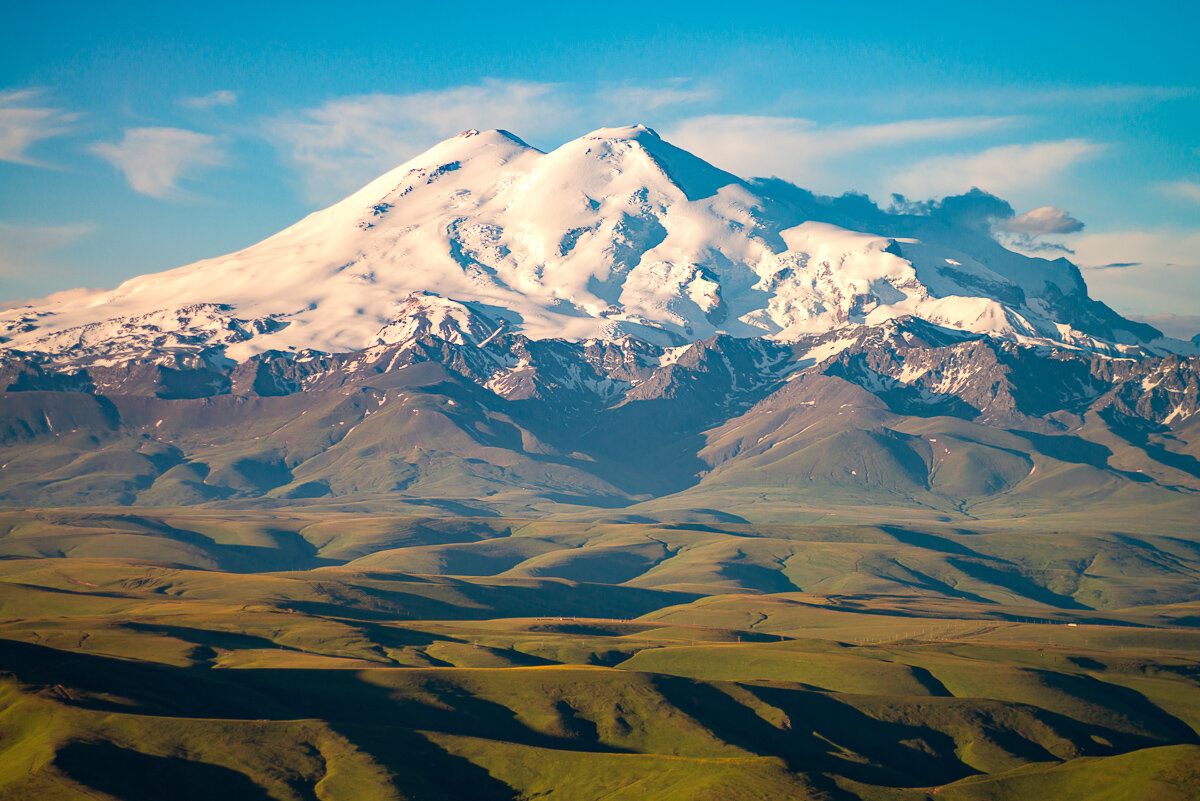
x=615, y=325
x=600, y=473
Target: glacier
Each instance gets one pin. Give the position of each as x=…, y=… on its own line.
x=617, y=233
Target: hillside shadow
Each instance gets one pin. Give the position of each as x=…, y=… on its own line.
x=1160, y=727
x=227, y=640
x=423, y=770
x=290, y=552
x=931, y=542
x=1067, y=448
x=918, y=401
x=818, y=727
x=396, y=718
x=926, y=582
x=361, y=712
x=454, y=507
x=135, y=776
x=108, y=684
x=1016, y=583
x=1138, y=434
x=425, y=702
x=644, y=447
x=757, y=577
x=591, y=501
x=932, y=684
x=385, y=727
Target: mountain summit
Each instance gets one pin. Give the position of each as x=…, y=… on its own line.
x=496, y=330
x=615, y=233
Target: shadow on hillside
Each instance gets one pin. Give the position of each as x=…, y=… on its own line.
x=144, y=536
x=1013, y=581
x=1067, y=448
x=423, y=770
x=818, y=728
x=228, y=640
x=1137, y=433
x=1126, y=705
x=133, y=776
x=397, y=716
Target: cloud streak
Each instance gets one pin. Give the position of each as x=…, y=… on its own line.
x=1180, y=326
x=997, y=170
x=22, y=246
x=24, y=122
x=341, y=144
x=1053, y=96
x=1149, y=271
x=797, y=149
x=220, y=97
x=1184, y=190
x=155, y=160
x=652, y=98
x=346, y=141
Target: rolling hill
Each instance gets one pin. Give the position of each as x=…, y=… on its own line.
x=600, y=473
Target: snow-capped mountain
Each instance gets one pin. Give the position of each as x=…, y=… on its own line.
x=615, y=233
x=492, y=329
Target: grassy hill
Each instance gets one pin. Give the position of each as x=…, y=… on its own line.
x=323, y=654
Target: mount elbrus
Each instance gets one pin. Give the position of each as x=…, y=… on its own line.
x=490, y=329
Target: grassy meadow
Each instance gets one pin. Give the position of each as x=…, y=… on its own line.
x=321, y=654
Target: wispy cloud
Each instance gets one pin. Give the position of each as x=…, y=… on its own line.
x=1180, y=326
x=346, y=141
x=1116, y=265
x=798, y=149
x=220, y=97
x=1185, y=190
x=1150, y=271
x=997, y=170
x=155, y=160
x=643, y=99
x=25, y=119
x=23, y=246
x=1107, y=95
x=983, y=98
x=1168, y=246
x=1036, y=97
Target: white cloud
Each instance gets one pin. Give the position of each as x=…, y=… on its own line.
x=1180, y=326
x=1043, y=220
x=23, y=124
x=220, y=97
x=1153, y=271
x=797, y=149
x=644, y=99
x=22, y=246
x=65, y=296
x=345, y=142
x=983, y=98
x=155, y=160
x=1187, y=190
x=1165, y=245
x=1009, y=97
x=1102, y=95
x=997, y=170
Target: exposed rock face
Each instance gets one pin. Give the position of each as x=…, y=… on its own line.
x=611, y=322
x=600, y=419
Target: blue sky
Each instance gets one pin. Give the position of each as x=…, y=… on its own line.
x=139, y=137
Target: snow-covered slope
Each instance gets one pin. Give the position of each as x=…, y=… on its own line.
x=615, y=233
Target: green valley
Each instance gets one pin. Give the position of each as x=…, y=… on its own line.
x=322, y=654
